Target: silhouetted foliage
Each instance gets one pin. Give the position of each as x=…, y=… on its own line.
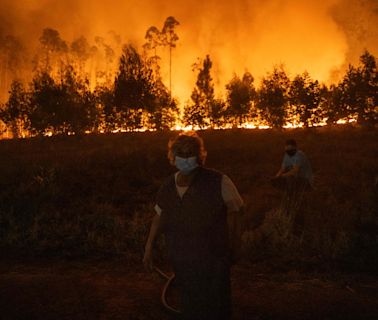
x=138, y=90
x=52, y=47
x=217, y=113
x=273, y=97
x=44, y=102
x=133, y=87
x=199, y=112
x=306, y=96
x=81, y=51
x=360, y=90
x=165, y=112
x=12, y=60
x=333, y=107
x=240, y=96
x=107, y=54
x=153, y=39
x=66, y=107
x=75, y=89
x=16, y=110
x=105, y=104
x=169, y=39
x=166, y=37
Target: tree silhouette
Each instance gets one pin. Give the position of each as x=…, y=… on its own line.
x=134, y=87
x=12, y=57
x=53, y=48
x=153, y=40
x=360, y=90
x=108, y=55
x=60, y=101
x=333, y=107
x=105, y=104
x=44, y=103
x=78, y=108
x=81, y=51
x=306, y=96
x=169, y=38
x=217, y=113
x=273, y=97
x=197, y=113
x=165, y=112
x=61, y=108
x=240, y=96
x=16, y=110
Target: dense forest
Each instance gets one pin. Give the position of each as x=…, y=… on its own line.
x=78, y=87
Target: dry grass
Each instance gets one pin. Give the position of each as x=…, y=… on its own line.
x=95, y=194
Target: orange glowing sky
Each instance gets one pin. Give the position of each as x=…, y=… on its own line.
x=318, y=36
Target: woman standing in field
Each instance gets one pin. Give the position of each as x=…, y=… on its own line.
x=198, y=209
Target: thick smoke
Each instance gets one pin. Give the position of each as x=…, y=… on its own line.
x=321, y=37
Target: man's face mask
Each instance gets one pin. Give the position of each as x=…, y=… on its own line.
x=291, y=152
x=186, y=165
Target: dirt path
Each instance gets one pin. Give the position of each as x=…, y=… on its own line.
x=113, y=290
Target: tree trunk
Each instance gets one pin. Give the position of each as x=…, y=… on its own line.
x=170, y=72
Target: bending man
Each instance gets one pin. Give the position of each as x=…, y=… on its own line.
x=295, y=171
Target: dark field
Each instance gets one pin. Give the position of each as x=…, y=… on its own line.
x=74, y=213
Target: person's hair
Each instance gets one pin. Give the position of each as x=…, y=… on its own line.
x=291, y=142
x=187, y=139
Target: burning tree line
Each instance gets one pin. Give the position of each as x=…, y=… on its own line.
x=63, y=97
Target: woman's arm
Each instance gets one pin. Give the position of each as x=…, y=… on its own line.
x=148, y=252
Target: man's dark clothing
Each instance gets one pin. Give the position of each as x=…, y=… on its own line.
x=197, y=237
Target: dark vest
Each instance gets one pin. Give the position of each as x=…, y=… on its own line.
x=196, y=225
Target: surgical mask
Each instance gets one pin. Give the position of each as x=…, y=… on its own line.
x=291, y=152
x=186, y=165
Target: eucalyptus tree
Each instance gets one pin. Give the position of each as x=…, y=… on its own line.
x=153, y=39
x=81, y=52
x=12, y=61
x=54, y=50
x=107, y=53
x=169, y=39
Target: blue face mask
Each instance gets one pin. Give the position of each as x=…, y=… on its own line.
x=186, y=165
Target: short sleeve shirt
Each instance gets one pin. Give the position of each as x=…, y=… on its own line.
x=300, y=160
x=230, y=195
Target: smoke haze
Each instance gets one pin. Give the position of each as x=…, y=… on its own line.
x=321, y=37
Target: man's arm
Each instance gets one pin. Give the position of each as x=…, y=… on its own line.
x=148, y=252
x=292, y=172
x=283, y=167
x=280, y=172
